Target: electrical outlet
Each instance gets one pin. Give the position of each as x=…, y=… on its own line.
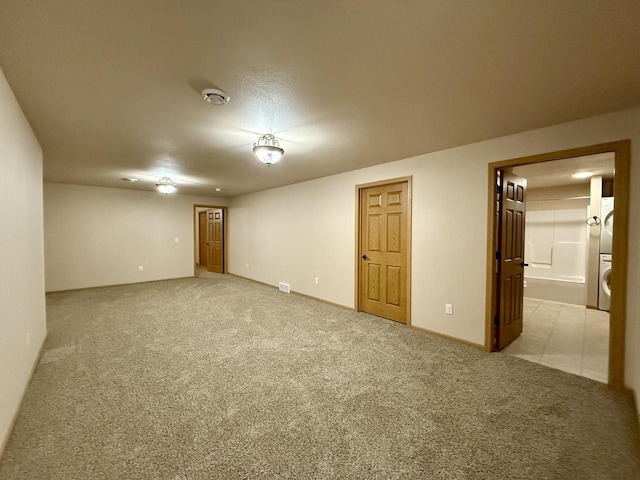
x=317, y=281
x=140, y=268
x=448, y=309
x=176, y=239
x=247, y=265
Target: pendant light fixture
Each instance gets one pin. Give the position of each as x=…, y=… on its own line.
x=166, y=185
x=268, y=150
x=582, y=175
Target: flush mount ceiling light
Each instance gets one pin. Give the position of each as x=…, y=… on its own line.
x=582, y=175
x=268, y=150
x=215, y=96
x=166, y=185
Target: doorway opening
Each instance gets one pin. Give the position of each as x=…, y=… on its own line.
x=565, y=321
x=549, y=280
x=210, y=239
x=383, y=249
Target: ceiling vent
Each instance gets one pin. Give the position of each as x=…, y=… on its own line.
x=215, y=97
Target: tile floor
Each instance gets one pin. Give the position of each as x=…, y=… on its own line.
x=567, y=337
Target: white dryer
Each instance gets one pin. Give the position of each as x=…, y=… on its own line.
x=604, y=295
x=606, y=225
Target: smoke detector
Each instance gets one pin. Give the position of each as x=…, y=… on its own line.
x=215, y=97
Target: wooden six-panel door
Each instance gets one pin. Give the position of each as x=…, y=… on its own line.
x=511, y=217
x=202, y=238
x=383, y=252
x=215, y=240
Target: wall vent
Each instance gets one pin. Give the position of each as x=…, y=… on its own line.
x=284, y=287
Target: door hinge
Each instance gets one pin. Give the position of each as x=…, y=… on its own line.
x=496, y=320
x=498, y=255
x=499, y=189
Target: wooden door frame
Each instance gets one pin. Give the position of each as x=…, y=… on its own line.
x=358, y=263
x=617, y=320
x=225, y=228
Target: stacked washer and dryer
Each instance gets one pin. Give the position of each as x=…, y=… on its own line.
x=606, y=244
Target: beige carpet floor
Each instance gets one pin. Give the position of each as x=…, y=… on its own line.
x=218, y=377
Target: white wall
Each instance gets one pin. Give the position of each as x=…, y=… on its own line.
x=549, y=199
x=22, y=305
x=556, y=244
x=593, y=255
x=307, y=230
x=98, y=236
x=556, y=241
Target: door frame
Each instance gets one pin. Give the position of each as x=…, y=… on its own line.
x=617, y=319
x=358, y=263
x=225, y=228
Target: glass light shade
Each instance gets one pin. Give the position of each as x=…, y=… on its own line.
x=268, y=154
x=582, y=175
x=268, y=150
x=166, y=185
x=166, y=188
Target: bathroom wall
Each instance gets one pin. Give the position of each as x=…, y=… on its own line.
x=593, y=256
x=556, y=244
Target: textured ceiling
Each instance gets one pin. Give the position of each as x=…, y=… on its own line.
x=559, y=172
x=111, y=87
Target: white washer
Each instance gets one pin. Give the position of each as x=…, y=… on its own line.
x=606, y=227
x=604, y=295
